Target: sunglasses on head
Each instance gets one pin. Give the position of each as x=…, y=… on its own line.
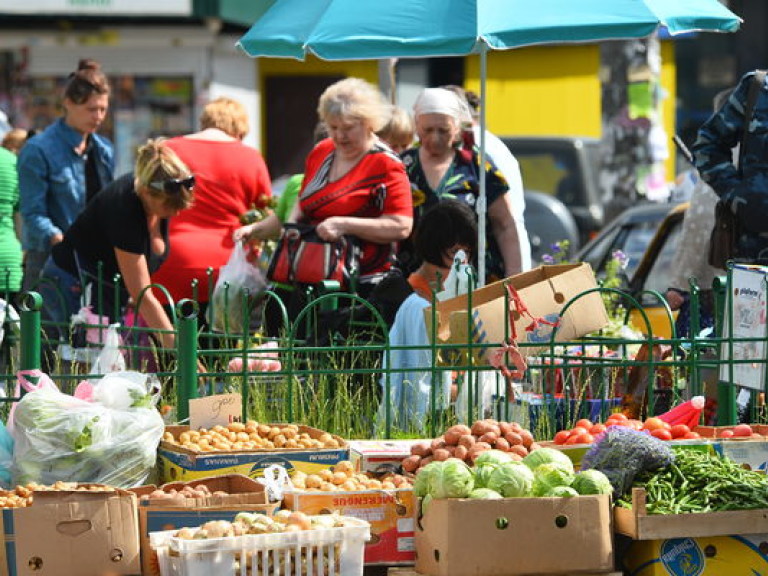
x=174, y=185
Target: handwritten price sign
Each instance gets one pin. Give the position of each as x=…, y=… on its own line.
x=212, y=410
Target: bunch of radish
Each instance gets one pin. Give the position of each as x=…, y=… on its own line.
x=466, y=443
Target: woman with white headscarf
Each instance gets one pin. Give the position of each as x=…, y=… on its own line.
x=440, y=168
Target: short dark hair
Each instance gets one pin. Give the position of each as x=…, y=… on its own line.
x=443, y=226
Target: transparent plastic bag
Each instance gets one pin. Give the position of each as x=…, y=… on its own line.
x=238, y=278
x=110, y=440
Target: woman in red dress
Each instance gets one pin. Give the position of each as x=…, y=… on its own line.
x=230, y=178
x=355, y=185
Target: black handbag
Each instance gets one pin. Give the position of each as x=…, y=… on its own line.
x=724, y=238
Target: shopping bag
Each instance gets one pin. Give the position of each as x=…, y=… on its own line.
x=238, y=280
x=302, y=256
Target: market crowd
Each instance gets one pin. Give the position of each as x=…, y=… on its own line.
x=373, y=176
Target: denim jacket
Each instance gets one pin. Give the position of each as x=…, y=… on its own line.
x=52, y=182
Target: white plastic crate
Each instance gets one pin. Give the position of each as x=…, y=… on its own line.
x=317, y=552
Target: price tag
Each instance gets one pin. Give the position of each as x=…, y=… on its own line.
x=212, y=410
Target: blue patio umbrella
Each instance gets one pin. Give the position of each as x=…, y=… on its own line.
x=375, y=29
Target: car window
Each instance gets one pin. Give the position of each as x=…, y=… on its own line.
x=661, y=269
x=553, y=173
x=639, y=235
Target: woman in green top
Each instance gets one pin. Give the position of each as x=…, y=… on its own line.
x=10, y=248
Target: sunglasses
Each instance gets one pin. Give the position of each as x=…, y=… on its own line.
x=174, y=185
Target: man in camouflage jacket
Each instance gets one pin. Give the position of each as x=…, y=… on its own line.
x=744, y=187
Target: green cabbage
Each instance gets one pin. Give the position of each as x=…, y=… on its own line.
x=511, y=480
x=592, y=482
x=492, y=457
x=451, y=479
x=486, y=463
x=548, y=476
x=485, y=494
x=422, y=483
x=546, y=455
x=562, y=492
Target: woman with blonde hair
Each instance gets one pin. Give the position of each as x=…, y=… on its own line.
x=231, y=178
x=124, y=229
x=353, y=185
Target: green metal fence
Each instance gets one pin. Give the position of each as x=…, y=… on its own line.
x=341, y=385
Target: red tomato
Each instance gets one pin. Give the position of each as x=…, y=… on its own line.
x=679, y=430
x=726, y=434
x=692, y=436
x=597, y=429
x=584, y=423
x=661, y=434
x=577, y=438
x=653, y=423
x=579, y=431
x=635, y=424
x=742, y=430
x=618, y=416
x=562, y=436
x=587, y=439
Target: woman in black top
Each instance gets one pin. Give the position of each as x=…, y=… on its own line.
x=125, y=228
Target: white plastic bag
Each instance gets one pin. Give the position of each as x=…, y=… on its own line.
x=60, y=437
x=237, y=276
x=110, y=359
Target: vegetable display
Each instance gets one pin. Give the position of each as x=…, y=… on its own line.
x=251, y=435
x=452, y=478
x=468, y=443
x=700, y=482
x=622, y=453
x=585, y=432
x=342, y=477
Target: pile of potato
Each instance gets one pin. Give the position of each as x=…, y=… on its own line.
x=22, y=496
x=342, y=477
x=465, y=443
x=251, y=436
x=199, y=491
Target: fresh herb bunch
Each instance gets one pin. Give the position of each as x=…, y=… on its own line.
x=622, y=453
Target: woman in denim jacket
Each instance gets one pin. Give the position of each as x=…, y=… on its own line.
x=61, y=168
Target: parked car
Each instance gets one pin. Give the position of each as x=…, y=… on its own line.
x=647, y=235
x=548, y=221
x=565, y=168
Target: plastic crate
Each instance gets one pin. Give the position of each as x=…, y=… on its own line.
x=317, y=552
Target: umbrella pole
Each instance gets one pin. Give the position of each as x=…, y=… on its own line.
x=482, y=209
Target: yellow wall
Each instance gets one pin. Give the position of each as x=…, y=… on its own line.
x=547, y=90
x=543, y=90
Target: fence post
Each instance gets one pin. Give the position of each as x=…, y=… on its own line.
x=727, y=413
x=186, y=354
x=30, y=304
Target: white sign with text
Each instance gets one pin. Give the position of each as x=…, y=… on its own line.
x=220, y=409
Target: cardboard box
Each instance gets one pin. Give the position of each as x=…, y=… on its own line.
x=544, y=291
x=639, y=525
x=390, y=514
x=180, y=464
x=379, y=456
x=706, y=556
x=244, y=495
x=515, y=536
x=750, y=454
x=72, y=532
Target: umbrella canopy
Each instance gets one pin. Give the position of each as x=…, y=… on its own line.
x=373, y=29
